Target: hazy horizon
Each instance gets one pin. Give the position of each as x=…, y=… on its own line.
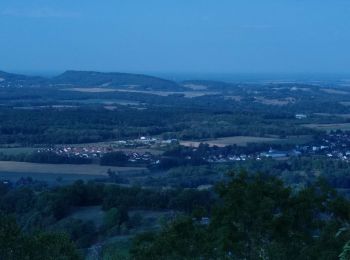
x=225, y=77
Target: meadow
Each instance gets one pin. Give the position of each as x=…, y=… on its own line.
x=63, y=169
x=329, y=127
x=17, y=150
x=245, y=140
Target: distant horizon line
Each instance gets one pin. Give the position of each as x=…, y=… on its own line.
x=248, y=76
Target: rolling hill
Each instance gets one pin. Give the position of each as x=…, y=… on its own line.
x=114, y=80
x=18, y=80
x=93, y=79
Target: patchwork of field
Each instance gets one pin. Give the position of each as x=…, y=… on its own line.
x=107, y=102
x=196, y=86
x=297, y=140
x=245, y=140
x=92, y=213
x=17, y=150
x=275, y=102
x=329, y=127
x=188, y=94
x=92, y=90
x=333, y=115
x=89, y=169
x=345, y=103
x=235, y=140
x=335, y=91
x=45, y=107
x=50, y=179
x=150, y=218
x=234, y=98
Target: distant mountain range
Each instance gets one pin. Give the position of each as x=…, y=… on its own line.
x=91, y=79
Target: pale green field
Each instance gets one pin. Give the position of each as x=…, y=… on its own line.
x=235, y=140
x=335, y=91
x=15, y=151
x=345, y=103
x=188, y=94
x=93, y=213
x=333, y=115
x=89, y=169
x=244, y=140
x=329, y=127
x=92, y=90
x=297, y=140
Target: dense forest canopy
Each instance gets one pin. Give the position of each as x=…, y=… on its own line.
x=250, y=216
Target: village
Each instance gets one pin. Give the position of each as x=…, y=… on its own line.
x=148, y=150
x=335, y=144
x=143, y=149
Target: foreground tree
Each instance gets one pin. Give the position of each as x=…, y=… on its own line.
x=257, y=217
x=41, y=246
x=183, y=239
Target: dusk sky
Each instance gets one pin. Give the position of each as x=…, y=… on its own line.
x=180, y=36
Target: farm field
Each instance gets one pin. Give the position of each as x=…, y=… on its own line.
x=333, y=115
x=103, y=101
x=150, y=218
x=17, y=150
x=91, y=90
x=244, y=140
x=92, y=213
x=274, y=102
x=188, y=94
x=297, y=140
x=51, y=179
x=345, y=103
x=335, y=91
x=90, y=169
x=235, y=140
x=329, y=127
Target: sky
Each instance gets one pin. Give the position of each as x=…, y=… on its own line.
x=176, y=36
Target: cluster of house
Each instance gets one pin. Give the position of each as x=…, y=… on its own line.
x=81, y=152
x=229, y=158
x=98, y=150
x=135, y=157
x=144, y=141
x=9, y=84
x=341, y=153
x=274, y=154
x=300, y=116
x=333, y=145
